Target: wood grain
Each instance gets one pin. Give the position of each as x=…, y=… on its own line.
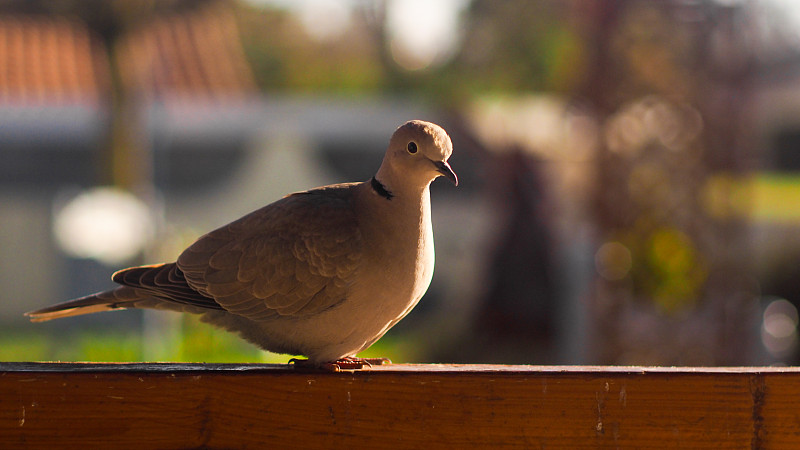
x=50, y=405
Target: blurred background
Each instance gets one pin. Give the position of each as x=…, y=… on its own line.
x=630, y=169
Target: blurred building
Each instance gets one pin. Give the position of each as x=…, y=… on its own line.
x=54, y=92
x=188, y=99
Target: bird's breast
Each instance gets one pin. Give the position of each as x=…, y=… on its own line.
x=399, y=255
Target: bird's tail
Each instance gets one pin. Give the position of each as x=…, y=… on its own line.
x=119, y=298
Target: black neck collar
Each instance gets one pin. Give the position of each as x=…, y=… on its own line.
x=380, y=189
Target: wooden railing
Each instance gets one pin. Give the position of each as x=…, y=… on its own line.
x=55, y=405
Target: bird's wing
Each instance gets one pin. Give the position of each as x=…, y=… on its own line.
x=296, y=256
x=160, y=281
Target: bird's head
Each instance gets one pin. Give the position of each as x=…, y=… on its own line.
x=418, y=151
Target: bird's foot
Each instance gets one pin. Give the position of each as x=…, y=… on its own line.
x=346, y=363
x=353, y=363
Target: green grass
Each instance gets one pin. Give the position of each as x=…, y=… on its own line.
x=776, y=197
x=194, y=341
x=762, y=197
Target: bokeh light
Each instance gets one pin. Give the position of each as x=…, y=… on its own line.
x=106, y=224
x=613, y=261
x=779, y=328
x=422, y=32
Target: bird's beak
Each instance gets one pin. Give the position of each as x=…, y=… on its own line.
x=443, y=168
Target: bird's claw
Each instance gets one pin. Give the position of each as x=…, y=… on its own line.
x=349, y=363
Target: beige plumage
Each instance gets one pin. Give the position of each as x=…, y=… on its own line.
x=322, y=273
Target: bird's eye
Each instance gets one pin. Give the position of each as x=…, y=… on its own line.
x=412, y=147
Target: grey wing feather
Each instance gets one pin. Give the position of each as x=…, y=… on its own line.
x=296, y=256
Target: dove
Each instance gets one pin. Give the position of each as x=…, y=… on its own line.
x=322, y=273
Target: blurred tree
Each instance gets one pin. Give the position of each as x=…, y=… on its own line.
x=518, y=310
x=517, y=46
x=670, y=82
x=285, y=57
x=508, y=47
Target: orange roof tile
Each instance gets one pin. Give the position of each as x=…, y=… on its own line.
x=49, y=60
x=189, y=54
